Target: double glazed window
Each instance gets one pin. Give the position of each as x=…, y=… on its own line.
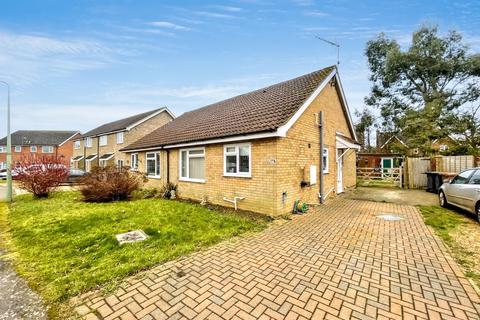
x=18, y=148
x=103, y=140
x=153, y=164
x=119, y=137
x=192, y=164
x=47, y=149
x=33, y=149
x=88, y=142
x=237, y=160
x=134, y=161
x=3, y=149
x=76, y=144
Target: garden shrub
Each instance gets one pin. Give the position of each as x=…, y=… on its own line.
x=110, y=183
x=167, y=190
x=40, y=175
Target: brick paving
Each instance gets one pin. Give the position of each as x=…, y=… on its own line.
x=338, y=261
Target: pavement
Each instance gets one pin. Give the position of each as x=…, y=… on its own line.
x=348, y=259
x=411, y=197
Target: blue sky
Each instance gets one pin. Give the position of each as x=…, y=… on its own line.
x=78, y=64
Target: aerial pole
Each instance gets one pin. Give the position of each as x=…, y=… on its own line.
x=336, y=45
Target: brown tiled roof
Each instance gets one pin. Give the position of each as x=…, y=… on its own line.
x=118, y=125
x=258, y=111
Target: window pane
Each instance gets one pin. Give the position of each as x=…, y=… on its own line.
x=151, y=167
x=231, y=149
x=231, y=163
x=197, y=168
x=244, y=159
x=192, y=152
x=184, y=164
x=475, y=179
x=462, y=178
x=157, y=169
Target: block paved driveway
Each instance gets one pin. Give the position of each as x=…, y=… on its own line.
x=338, y=261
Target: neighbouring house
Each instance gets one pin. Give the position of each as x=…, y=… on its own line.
x=260, y=151
x=27, y=143
x=100, y=146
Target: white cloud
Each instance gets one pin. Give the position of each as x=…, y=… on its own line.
x=168, y=25
x=229, y=8
x=210, y=14
x=316, y=13
x=27, y=58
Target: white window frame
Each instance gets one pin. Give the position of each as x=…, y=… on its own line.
x=237, y=154
x=188, y=164
x=325, y=154
x=33, y=148
x=18, y=148
x=118, y=163
x=50, y=148
x=120, y=137
x=103, y=140
x=3, y=149
x=134, y=164
x=88, y=142
x=76, y=144
x=443, y=147
x=159, y=164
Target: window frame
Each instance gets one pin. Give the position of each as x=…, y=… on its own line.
x=3, y=149
x=326, y=154
x=88, y=142
x=15, y=149
x=157, y=165
x=51, y=148
x=187, y=178
x=102, y=143
x=77, y=144
x=132, y=167
x=32, y=149
x=120, y=134
x=237, y=154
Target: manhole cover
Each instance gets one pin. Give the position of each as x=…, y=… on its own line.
x=390, y=217
x=132, y=236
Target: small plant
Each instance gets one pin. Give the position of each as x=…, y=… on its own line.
x=40, y=175
x=146, y=193
x=168, y=190
x=110, y=183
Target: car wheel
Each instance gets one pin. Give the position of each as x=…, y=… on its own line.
x=442, y=199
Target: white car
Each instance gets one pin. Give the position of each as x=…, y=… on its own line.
x=463, y=191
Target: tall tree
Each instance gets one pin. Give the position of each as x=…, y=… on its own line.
x=416, y=89
x=364, y=127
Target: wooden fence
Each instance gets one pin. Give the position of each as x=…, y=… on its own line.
x=415, y=168
x=371, y=175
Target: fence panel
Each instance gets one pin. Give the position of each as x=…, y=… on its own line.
x=454, y=164
x=416, y=168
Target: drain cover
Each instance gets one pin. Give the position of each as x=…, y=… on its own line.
x=390, y=217
x=132, y=236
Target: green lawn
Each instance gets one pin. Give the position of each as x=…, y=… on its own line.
x=461, y=234
x=64, y=246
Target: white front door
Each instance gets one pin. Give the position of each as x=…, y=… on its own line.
x=339, y=171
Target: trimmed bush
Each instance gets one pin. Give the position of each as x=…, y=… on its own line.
x=110, y=183
x=40, y=175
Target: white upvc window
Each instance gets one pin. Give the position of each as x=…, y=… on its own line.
x=3, y=149
x=120, y=163
x=18, y=148
x=152, y=163
x=134, y=161
x=443, y=147
x=47, y=149
x=237, y=160
x=3, y=165
x=88, y=142
x=76, y=144
x=192, y=164
x=119, y=137
x=325, y=160
x=103, y=140
x=33, y=149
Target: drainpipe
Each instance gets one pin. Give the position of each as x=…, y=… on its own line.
x=98, y=151
x=320, y=130
x=168, y=165
x=84, y=156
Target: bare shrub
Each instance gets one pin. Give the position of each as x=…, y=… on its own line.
x=110, y=183
x=40, y=175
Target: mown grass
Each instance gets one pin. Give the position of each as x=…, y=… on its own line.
x=64, y=246
x=376, y=183
x=460, y=233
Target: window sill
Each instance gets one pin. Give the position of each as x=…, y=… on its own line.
x=235, y=175
x=192, y=180
x=153, y=177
